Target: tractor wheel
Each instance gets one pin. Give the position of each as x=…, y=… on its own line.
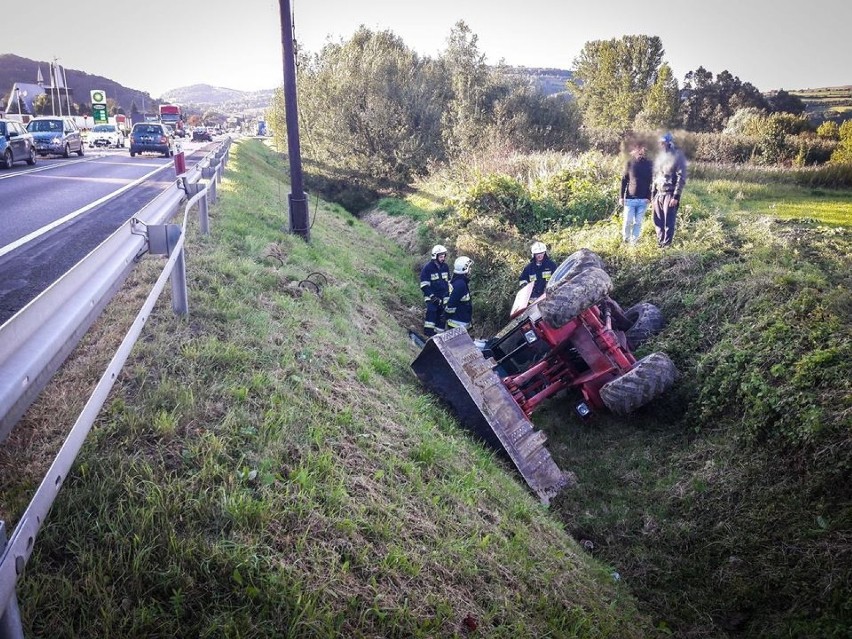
x=574, y=264
x=646, y=320
x=649, y=378
x=574, y=296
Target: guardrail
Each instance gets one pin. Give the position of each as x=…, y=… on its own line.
x=37, y=339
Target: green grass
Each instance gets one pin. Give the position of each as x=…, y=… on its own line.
x=724, y=504
x=826, y=206
x=269, y=466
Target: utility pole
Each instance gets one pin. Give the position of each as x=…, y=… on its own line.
x=297, y=200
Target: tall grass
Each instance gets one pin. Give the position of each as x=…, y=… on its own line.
x=725, y=503
x=269, y=466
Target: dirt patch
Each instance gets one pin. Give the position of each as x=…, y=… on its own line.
x=402, y=230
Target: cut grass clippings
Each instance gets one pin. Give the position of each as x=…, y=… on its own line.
x=270, y=467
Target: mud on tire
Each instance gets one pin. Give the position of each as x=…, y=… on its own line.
x=648, y=379
x=574, y=296
x=646, y=320
x=574, y=264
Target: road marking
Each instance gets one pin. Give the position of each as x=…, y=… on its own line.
x=44, y=168
x=44, y=229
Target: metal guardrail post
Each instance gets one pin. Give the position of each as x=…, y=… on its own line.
x=203, y=217
x=10, y=623
x=37, y=339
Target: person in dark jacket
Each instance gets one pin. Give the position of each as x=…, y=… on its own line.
x=635, y=194
x=539, y=270
x=669, y=180
x=435, y=284
x=460, y=306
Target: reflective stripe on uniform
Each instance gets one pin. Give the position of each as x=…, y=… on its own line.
x=455, y=324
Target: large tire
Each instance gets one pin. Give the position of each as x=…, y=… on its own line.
x=66, y=153
x=646, y=320
x=649, y=378
x=574, y=264
x=565, y=302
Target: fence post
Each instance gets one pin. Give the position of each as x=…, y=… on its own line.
x=203, y=217
x=10, y=623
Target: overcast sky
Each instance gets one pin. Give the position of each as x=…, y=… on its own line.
x=237, y=43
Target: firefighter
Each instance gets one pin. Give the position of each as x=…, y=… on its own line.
x=435, y=284
x=539, y=270
x=460, y=308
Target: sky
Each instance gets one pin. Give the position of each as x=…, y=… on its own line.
x=237, y=44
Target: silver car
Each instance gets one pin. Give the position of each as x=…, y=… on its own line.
x=56, y=135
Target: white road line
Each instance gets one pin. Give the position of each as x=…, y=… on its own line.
x=44, y=168
x=44, y=229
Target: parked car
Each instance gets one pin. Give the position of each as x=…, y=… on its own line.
x=200, y=134
x=55, y=135
x=151, y=137
x=106, y=135
x=16, y=144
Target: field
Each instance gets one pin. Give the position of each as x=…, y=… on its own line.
x=827, y=102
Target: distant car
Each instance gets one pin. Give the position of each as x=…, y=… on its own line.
x=16, y=144
x=201, y=135
x=56, y=136
x=105, y=135
x=151, y=137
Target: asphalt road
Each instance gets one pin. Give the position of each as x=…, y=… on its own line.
x=54, y=213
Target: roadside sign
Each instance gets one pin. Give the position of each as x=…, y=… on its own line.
x=98, y=96
x=99, y=113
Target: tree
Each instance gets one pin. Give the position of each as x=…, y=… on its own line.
x=41, y=104
x=783, y=102
x=371, y=106
x=133, y=108
x=660, y=109
x=709, y=102
x=463, y=121
x=843, y=153
x=828, y=130
x=612, y=78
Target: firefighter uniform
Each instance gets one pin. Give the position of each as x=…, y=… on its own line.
x=460, y=307
x=539, y=273
x=435, y=284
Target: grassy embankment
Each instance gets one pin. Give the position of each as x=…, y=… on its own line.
x=269, y=467
x=725, y=505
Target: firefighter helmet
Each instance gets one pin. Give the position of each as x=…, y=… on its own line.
x=437, y=250
x=538, y=247
x=462, y=265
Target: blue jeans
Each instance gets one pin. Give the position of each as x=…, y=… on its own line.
x=634, y=211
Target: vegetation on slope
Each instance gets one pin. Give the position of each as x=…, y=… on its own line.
x=269, y=466
x=726, y=503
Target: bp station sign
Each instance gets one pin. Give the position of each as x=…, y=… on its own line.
x=99, y=107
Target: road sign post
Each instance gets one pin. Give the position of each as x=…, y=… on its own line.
x=99, y=107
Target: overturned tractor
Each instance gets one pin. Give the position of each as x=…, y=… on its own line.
x=573, y=336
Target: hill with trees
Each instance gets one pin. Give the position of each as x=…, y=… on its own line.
x=14, y=68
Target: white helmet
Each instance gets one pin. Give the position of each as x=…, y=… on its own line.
x=437, y=250
x=538, y=247
x=462, y=265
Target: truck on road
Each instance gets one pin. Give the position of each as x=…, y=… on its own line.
x=171, y=114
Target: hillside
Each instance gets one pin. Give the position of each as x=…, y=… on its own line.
x=14, y=68
x=270, y=467
x=827, y=103
x=204, y=96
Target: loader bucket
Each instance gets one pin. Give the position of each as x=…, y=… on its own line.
x=453, y=368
